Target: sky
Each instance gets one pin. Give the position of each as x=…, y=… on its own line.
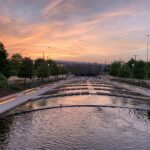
x=77, y=30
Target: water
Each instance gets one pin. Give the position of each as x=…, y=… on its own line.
x=83, y=100
x=85, y=128
x=77, y=128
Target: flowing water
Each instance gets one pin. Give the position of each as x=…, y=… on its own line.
x=123, y=127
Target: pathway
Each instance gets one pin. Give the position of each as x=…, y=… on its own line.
x=9, y=102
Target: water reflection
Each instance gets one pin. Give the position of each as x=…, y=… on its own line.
x=5, y=129
x=83, y=100
x=78, y=128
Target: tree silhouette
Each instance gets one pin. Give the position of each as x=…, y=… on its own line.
x=43, y=71
x=26, y=69
x=15, y=61
x=4, y=63
x=139, y=70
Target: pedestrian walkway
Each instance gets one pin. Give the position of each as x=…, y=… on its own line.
x=9, y=102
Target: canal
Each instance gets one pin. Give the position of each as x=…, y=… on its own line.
x=88, y=114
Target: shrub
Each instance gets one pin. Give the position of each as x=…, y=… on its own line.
x=3, y=81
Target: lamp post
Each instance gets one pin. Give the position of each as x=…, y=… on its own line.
x=49, y=52
x=135, y=56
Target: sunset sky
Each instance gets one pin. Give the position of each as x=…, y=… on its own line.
x=80, y=30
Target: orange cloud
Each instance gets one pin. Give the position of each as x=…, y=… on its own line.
x=75, y=32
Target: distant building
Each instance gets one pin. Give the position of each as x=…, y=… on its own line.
x=82, y=68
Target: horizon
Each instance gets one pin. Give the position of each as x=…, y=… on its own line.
x=88, y=31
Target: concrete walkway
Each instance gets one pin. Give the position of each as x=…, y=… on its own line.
x=136, y=89
x=9, y=102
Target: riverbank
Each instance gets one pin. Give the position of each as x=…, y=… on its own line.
x=10, y=102
x=15, y=88
x=135, y=82
x=141, y=83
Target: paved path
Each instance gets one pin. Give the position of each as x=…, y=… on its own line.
x=136, y=89
x=9, y=102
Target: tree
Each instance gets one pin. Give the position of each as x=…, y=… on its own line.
x=131, y=63
x=4, y=63
x=3, y=52
x=139, y=70
x=115, y=68
x=148, y=69
x=43, y=71
x=26, y=68
x=53, y=67
x=124, y=71
x=15, y=60
x=38, y=62
x=62, y=70
x=3, y=81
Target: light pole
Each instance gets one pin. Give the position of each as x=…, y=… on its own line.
x=49, y=52
x=43, y=56
x=148, y=47
x=135, y=56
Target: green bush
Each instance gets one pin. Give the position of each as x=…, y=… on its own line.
x=3, y=81
x=15, y=88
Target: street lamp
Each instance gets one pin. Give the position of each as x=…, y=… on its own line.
x=49, y=51
x=135, y=56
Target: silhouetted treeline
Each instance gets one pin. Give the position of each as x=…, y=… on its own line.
x=25, y=67
x=132, y=69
